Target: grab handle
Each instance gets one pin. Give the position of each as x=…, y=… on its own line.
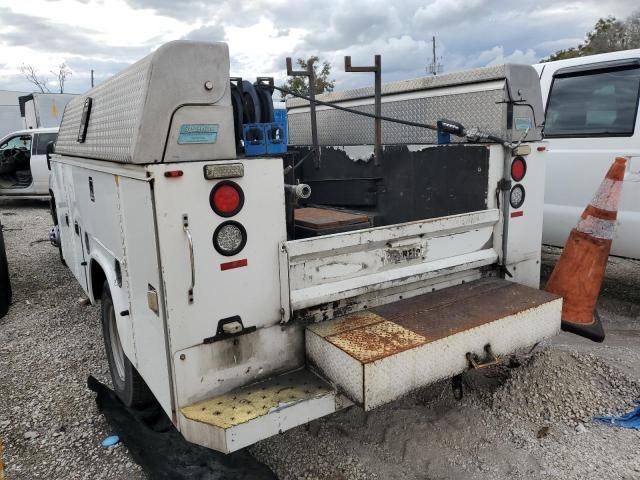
x=185, y=227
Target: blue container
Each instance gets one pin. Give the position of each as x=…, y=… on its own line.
x=255, y=142
x=266, y=138
x=278, y=132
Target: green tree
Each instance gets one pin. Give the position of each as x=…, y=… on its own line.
x=608, y=35
x=300, y=85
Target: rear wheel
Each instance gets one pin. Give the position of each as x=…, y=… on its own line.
x=127, y=382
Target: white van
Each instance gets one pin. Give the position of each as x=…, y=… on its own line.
x=23, y=162
x=591, y=117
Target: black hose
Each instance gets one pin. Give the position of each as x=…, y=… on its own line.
x=358, y=112
x=428, y=126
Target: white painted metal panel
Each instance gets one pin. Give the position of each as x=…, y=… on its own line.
x=140, y=270
x=210, y=369
x=251, y=292
x=345, y=265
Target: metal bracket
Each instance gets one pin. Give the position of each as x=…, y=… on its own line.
x=376, y=68
x=310, y=73
x=490, y=359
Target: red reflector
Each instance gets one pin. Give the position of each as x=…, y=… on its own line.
x=173, y=173
x=541, y=148
x=227, y=199
x=518, y=168
x=517, y=214
x=234, y=264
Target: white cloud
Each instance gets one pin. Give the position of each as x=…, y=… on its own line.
x=106, y=35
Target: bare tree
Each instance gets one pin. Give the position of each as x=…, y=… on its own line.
x=31, y=74
x=62, y=74
x=41, y=82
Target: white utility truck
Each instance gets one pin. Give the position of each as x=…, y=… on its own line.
x=239, y=329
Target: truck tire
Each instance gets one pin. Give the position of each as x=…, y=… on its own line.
x=127, y=382
x=5, y=283
x=54, y=215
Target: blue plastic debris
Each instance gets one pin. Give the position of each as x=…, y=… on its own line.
x=111, y=441
x=628, y=420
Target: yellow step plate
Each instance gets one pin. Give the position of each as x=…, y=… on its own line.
x=379, y=355
x=244, y=416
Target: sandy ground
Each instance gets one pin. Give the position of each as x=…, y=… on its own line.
x=533, y=421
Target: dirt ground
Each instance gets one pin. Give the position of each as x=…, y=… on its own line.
x=530, y=421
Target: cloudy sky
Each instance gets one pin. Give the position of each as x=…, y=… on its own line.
x=107, y=35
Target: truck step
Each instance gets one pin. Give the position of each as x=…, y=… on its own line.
x=379, y=355
x=246, y=415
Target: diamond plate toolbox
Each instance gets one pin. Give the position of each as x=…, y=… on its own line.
x=379, y=355
x=475, y=98
x=134, y=115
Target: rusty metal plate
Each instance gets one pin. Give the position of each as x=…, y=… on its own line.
x=463, y=307
x=344, y=324
x=318, y=218
x=373, y=342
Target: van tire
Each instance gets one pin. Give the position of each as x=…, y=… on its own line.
x=127, y=382
x=5, y=283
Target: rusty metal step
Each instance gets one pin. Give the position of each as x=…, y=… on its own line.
x=379, y=355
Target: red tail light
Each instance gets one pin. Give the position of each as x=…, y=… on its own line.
x=226, y=198
x=518, y=168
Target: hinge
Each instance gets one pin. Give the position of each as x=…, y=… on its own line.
x=504, y=185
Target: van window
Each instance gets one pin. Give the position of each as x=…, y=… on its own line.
x=41, y=141
x=596, y=103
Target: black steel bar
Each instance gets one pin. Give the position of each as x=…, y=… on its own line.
x=310, y=73
x=376, y=68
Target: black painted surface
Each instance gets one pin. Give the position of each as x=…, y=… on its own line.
x=408, y=185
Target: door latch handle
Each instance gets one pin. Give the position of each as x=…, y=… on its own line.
x=633, y=169
x=185, y=227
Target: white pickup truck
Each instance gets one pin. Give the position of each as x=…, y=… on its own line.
x=241, y=328
x=23, y=162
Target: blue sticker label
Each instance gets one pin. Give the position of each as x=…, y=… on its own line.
x=198, y=133
x=522, y=123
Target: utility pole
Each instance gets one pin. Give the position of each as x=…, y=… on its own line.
x=435, y=67
x=92, y=77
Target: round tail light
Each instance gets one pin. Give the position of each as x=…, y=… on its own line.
x=516, y=197
x=518, y=168
x=229, y=238
x=226, y=198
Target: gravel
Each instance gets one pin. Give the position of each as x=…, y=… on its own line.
x=533, y=421
x=49, y=344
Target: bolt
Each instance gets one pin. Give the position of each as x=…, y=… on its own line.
x=182, y=356
x=208, y=85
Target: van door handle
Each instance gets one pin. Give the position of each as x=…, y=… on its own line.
x=185, y=227
x=633, y=169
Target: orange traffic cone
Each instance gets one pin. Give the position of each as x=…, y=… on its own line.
x=578, y=275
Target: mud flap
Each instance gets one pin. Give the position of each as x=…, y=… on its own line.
x=5, y=284
x=161, y=450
